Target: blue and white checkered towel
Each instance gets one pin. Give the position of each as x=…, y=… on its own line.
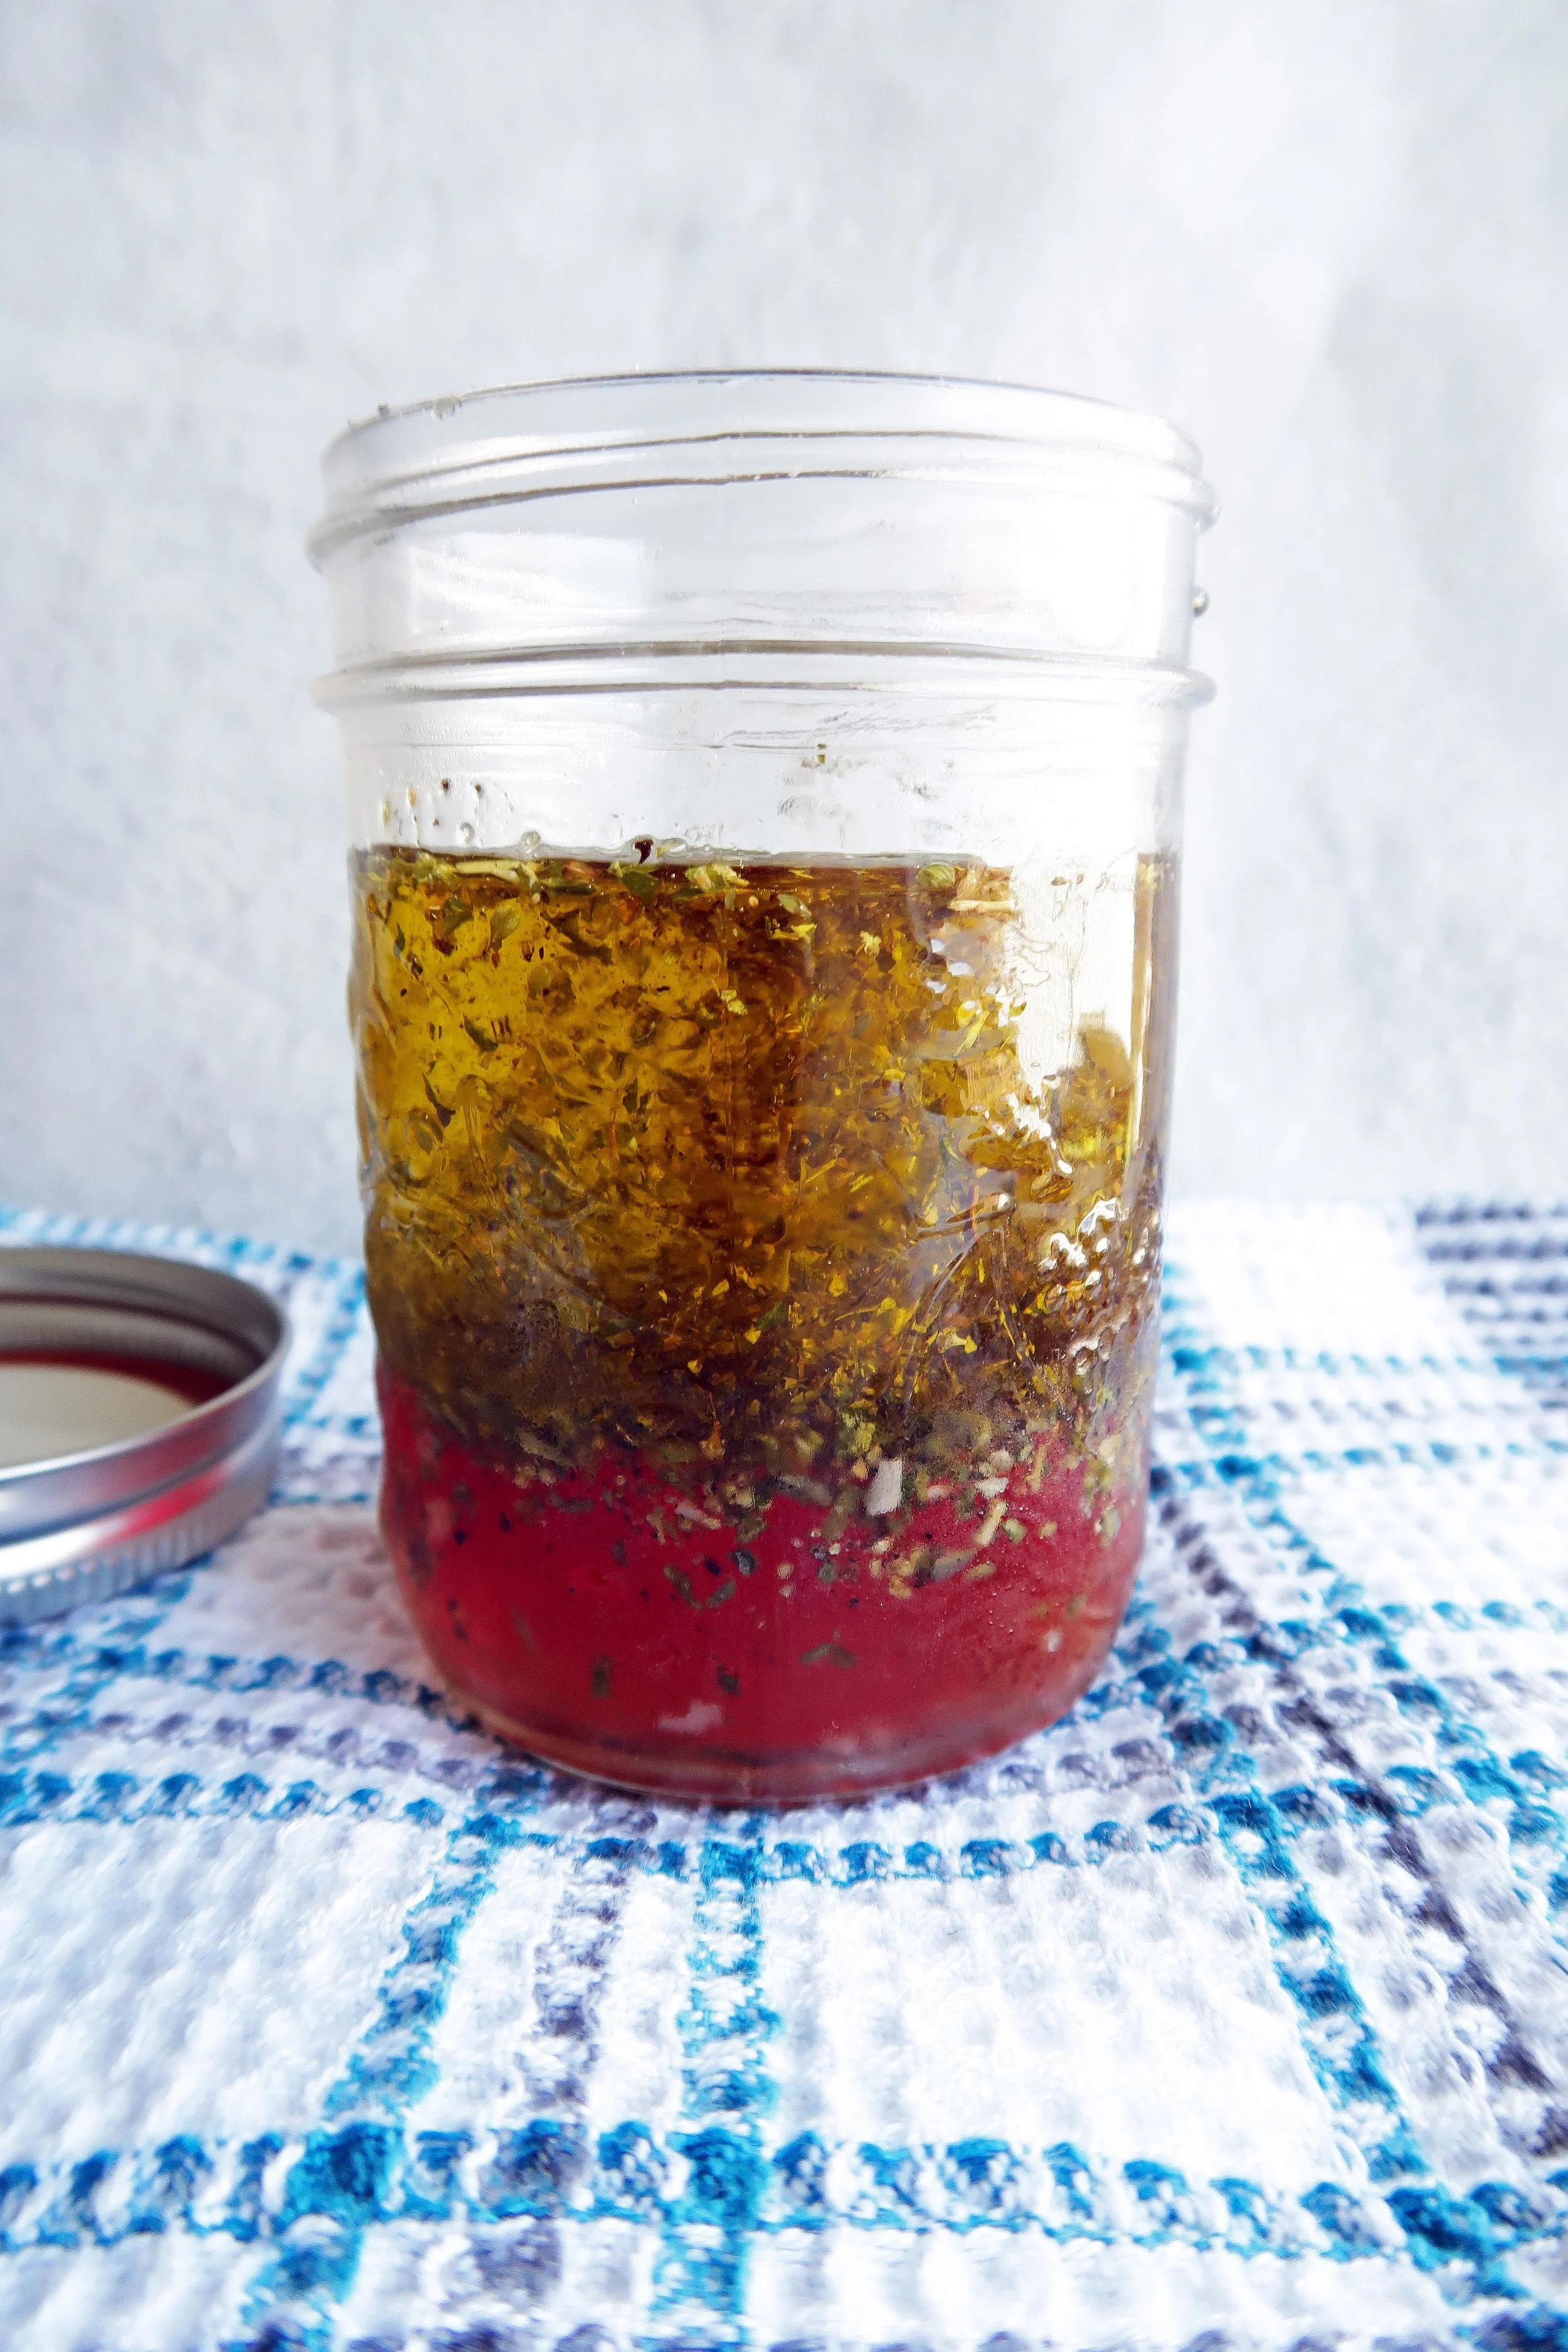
x=1231, y=2011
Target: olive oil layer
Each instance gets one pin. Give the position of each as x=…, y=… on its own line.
x=750, y=1169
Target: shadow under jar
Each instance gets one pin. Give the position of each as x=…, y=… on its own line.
x=765, y=792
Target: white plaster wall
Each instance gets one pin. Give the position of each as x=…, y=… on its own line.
x=1329, y=238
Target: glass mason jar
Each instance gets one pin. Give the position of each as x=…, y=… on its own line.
x=764, y=794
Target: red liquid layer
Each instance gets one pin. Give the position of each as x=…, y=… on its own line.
x=625, y=1627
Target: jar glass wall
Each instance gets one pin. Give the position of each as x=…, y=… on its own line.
x=765, y=796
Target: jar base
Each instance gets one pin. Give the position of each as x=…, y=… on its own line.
x=736, y=1780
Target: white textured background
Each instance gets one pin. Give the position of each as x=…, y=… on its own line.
x=1329, y=239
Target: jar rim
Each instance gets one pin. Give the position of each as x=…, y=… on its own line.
x=714, y=425
x=958, y=674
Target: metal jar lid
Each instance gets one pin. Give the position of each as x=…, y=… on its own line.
x=140, y=1336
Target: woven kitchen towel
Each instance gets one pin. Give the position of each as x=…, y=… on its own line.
x=1231, y=2011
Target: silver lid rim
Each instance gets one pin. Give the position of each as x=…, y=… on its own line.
x=40, y=1575
x=107, y=1515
